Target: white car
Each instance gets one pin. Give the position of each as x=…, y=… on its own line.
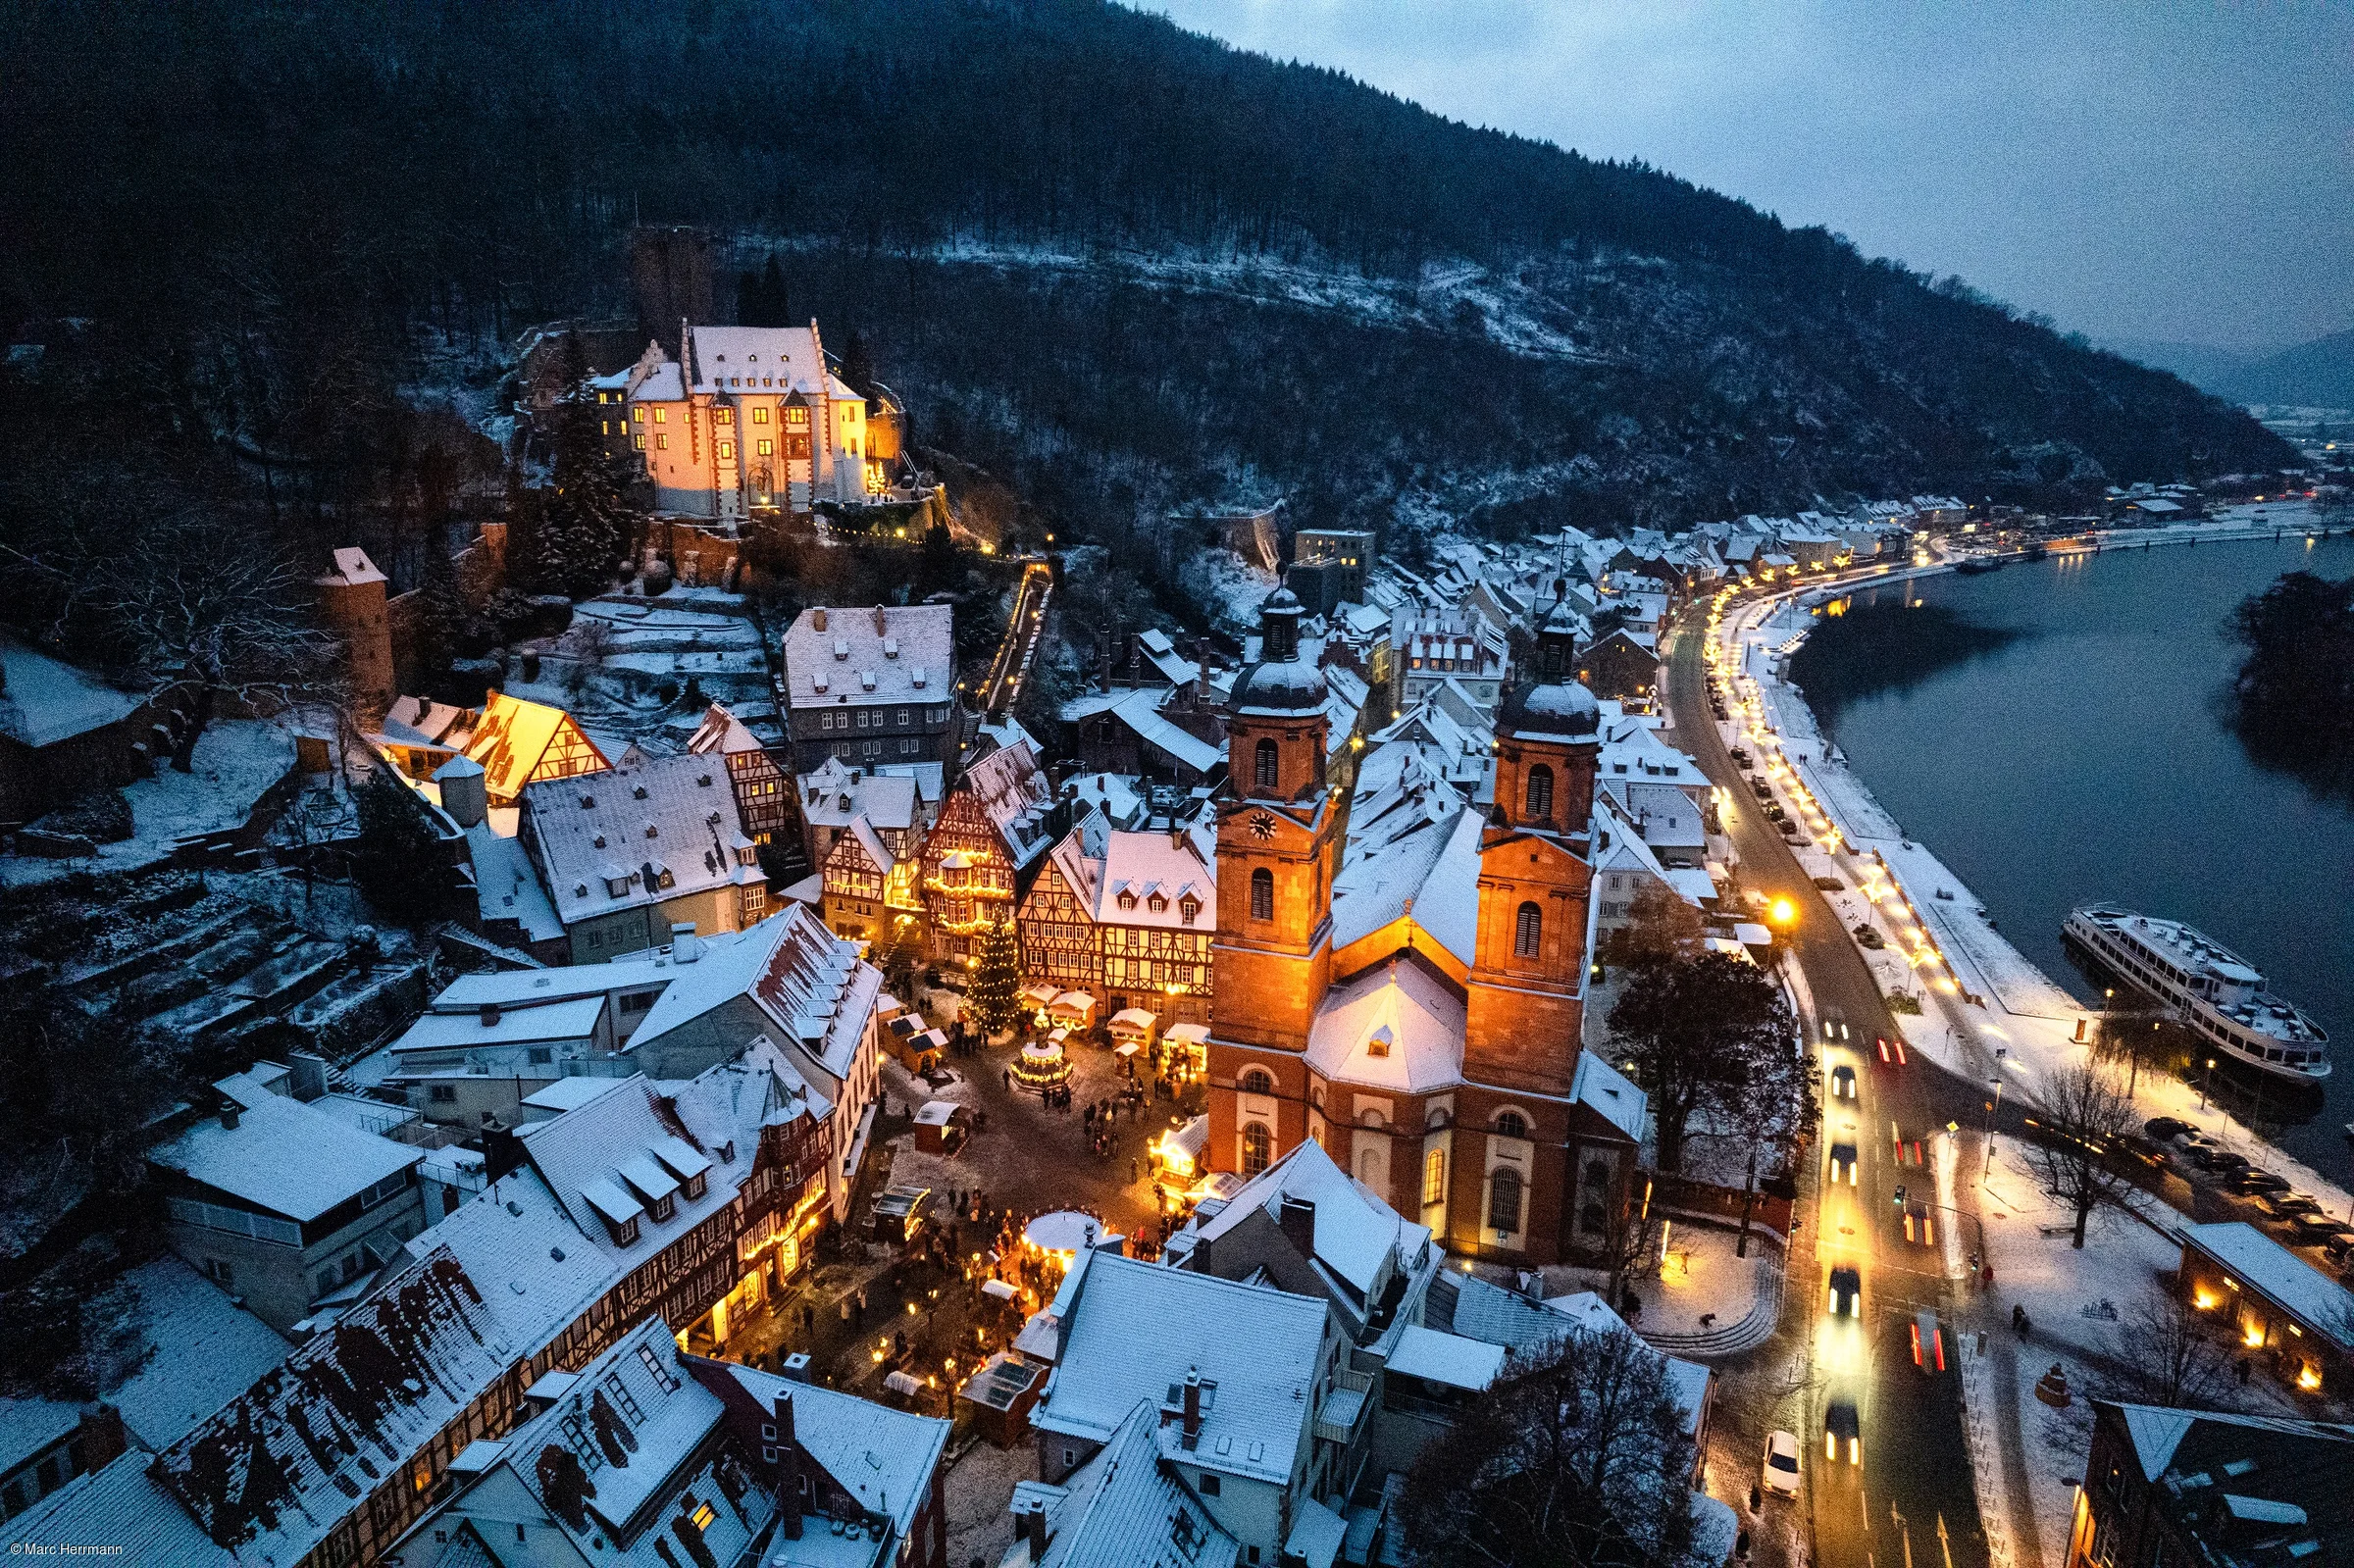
x=1781, y=1463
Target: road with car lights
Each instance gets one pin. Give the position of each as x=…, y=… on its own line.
x=1900, y=1493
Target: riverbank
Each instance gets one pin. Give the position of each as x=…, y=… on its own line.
x=1989, y=1012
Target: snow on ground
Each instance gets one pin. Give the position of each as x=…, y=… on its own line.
x=1227, y=586
x=2026, y=1025
x=234, y=762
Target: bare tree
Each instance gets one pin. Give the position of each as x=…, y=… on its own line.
x=2083, y=1115
x=1576, y=1457
x=1767, y=1110
x=2138, y=1041
x=191, y=599
x=2169, y=1353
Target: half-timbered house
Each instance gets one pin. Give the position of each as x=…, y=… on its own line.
x=1126, y=916
x=993, y=830
x=766, y=800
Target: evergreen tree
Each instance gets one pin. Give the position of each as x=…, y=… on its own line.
x=397, y=862
x=858, y=364
x=584, y=526
x=993, y=1004
x=442, y=616
x=761, y=298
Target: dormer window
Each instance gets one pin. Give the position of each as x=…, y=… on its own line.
x=1127, y=900
x=624, y=1233
x=618, y=886
x=664, y=1207
x=1158, y=904
x=1188, y=908
x=696, y=1185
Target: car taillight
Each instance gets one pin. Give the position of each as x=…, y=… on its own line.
x=1938, y=1340
x=1917, y=1345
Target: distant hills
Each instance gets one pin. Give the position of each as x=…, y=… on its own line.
x=2319, y=374
x=1124, y=266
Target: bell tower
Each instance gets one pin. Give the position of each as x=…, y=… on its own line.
x=1527, y=986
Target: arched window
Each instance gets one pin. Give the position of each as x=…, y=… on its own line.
x=1434, y=1177
x=1509, y=1124
x=1263, y=895
x=1528, y=931
x=1503, y=1200
x=1262, y=764
x=1258, y=1149
x=1257, y=1080
x=1540, y=792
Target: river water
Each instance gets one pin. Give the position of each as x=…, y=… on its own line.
x=2053, y=730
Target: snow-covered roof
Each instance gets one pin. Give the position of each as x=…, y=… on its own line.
x=722, y=731
x=881, y=1456
x=778, y=359
x=1396, y=1026
x=45, y=701
x=1014, y=794
x=283, y=1155
x=835, y=793
x=1123, y=1508
x=2310, y=1297
x=123, y=1505
x=208, y=1351
x=506, y=884
x=1356, y=1232
x=1140, y=711
x=30, y=1423
x=866, y=658
x=1446, y=1359
x=512, y=739
x=808, y=983
x=1118, y=797
x=606, y=839
x=1412, y=851
x=537, y=987
x=1117, y=876
x=570, y=1093
x=555, y=1021
x=1135, y=1330
x=1596, y=1082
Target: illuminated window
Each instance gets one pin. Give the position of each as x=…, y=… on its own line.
x=1434, y=1177
x=639, y=414
x=724, y=416
x=727, y=450
x=662, y=442
x=796, y=418
x=661, y=416
x=759, y=416
x=764, y=446
x=1257, y=1147
x=1528, y=931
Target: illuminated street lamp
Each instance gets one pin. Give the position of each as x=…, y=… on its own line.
x=1782, y=912
x=2204, y=1082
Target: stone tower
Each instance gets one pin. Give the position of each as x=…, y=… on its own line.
x=351, y=599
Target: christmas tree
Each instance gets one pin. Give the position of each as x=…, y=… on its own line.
x=993, y=1004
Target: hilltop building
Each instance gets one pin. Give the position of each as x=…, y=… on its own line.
x=871, y=687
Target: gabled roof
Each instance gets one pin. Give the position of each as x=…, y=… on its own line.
x=670, y=814
x=834, y=794
x=1012, y=792
x=506, y=884
x=513, y=738
x=1356, y=1232
x=866, y=657
x=1101, y=863
x=1396, y=1026
x=283, y=1155
x=784, y=359
x=1598, y=1085
x=1416, y=852
x=881, y=1456
x=1134, y=1331
x=1126, y=1508
x=206, y=1351
x=722, y=731
x=606, y=1161
x=811, y=985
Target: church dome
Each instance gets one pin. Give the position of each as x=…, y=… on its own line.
x=1562, y=710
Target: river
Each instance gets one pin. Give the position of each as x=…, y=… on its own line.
x=2053, y=730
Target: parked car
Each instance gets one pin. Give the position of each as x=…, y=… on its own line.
x=2149, y=1153
x=2166, y=1127
x=1781, y=1463
x=1842, y=1430
x=2289, y=1205
x=1846, y=1300
x=2318, y=1229
x=1870, y=939
x=1830, y=885
x=2255, y=1182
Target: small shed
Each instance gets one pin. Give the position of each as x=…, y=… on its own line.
x=898, y=1213
x=1073, y=1009
x=1002, y=1394
x=941, y=1127
x=1189, y=1048
x=1036, y=999
x=1179, y=1151
x=1133, y=1027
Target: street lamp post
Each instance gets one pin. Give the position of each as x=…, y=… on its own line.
x=2208, y=1079
x=1988, y=1164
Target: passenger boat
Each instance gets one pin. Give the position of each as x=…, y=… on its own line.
x=1970, y=566
x=2219, y=994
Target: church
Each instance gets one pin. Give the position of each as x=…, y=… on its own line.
x=1409, y=990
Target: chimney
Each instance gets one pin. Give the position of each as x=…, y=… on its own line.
x=789, y=1467
x=796, y=1367
x=817, y=619
x=1298, y=1222
x=489, y=1015
x=878, y=623
x=228, y=1115
x=101, y=1438
x=685, y=946
x=1193, y=1406
x=1033, y=1532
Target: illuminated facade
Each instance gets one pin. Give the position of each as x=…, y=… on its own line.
x=1126, y=917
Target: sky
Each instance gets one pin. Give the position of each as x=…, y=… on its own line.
x=2140, y=170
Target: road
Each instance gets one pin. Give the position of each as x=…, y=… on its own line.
x=1023, y=629
x=1911, y=1500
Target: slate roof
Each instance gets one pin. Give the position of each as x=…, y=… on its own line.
x=1123, y=1508
x=1135, y=1329
x=1356, y=1232
x=869, y=657
x=882, y=1457
x=1100, y=863
x=811, y=985
x=1014, y=794
x=834, y=794
x=672, y=814
x=2315, y=1300
x=288, y=1157
x=206, y=1353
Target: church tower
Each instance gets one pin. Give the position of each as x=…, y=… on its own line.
x=1280, y=828
x=1528, y=986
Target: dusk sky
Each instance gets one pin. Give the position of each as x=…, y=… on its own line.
x=2180, y=172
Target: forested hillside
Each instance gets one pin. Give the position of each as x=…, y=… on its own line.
x=1127, y=266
